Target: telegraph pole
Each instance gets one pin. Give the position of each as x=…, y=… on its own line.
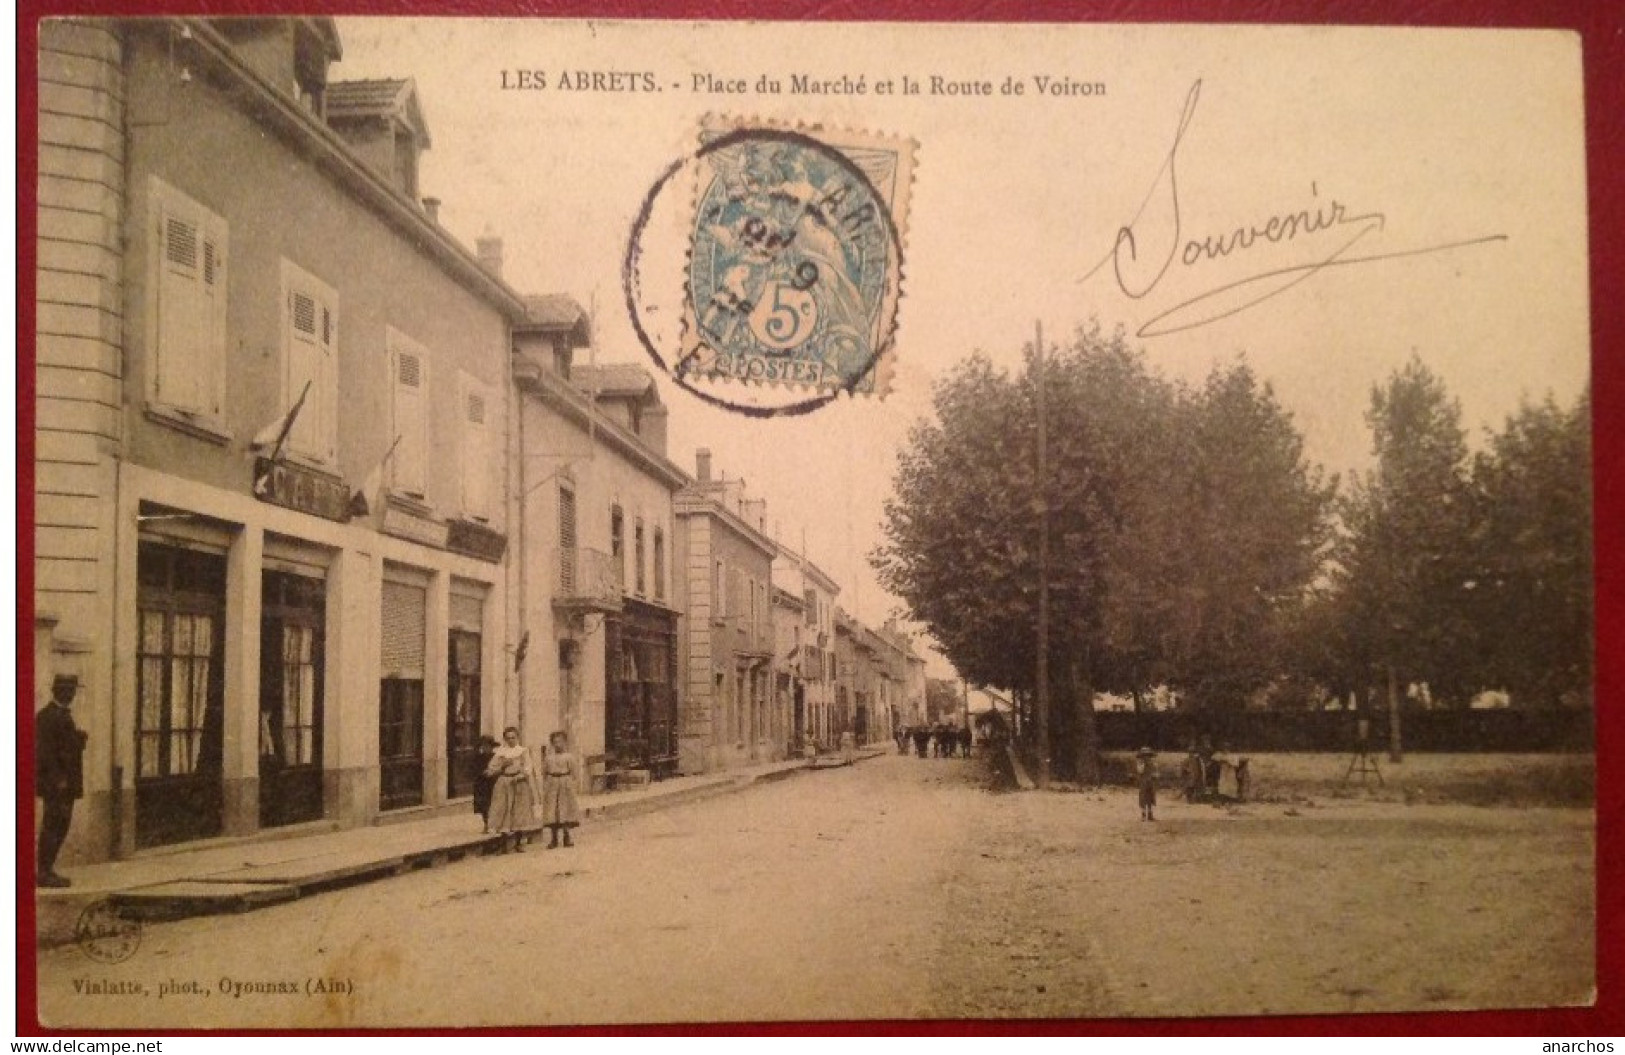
x=1041, y=712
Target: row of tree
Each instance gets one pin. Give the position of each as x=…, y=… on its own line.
x=1191, y=543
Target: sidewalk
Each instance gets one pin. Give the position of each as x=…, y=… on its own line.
x=238, y=875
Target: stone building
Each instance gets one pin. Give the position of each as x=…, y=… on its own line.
x=726, y=654
x=273, y=396
x=596, y=597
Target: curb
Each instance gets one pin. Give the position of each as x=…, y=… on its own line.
x=57, y=918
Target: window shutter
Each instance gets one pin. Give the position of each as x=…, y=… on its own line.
x=310, y=346
x=212, y=368
x=567, y=540
x=179, y=363
x=411, y=370
x=476, y=410
x=404, y=623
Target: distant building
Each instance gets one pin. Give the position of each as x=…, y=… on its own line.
x=726, y=656
x=806, y=649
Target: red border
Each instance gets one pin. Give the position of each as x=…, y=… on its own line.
x=1601, y=27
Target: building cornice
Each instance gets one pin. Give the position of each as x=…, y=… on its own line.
x=695, y=503
x=332, y=154
x=574, y=405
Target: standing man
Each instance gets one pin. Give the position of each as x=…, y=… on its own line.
x=59, y=773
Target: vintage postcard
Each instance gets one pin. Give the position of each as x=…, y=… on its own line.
x=567, y=522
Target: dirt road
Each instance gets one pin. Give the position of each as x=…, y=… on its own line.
x=902, y=888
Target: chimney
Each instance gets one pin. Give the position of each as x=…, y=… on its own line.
x=488, y=248
x=432, y=207
x=702, y=464
x=754, y=511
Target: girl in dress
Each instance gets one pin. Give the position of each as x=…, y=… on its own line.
x=513, y=796
x=560, y=811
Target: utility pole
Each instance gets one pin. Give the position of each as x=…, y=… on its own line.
x=1395, y=752
x=1041, y=713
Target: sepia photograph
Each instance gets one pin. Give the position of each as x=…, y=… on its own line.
x=558, y=522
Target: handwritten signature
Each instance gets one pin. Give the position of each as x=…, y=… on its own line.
x=1148, y=246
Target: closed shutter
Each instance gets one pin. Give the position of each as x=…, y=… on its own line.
x=467, y=613
x=309, y=349
x=476, y=411
x=403, y=631
x=567, y=540
x=187, y=362
x=410, y=374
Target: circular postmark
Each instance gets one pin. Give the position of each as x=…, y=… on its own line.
x=792, y=269
x=106, y=936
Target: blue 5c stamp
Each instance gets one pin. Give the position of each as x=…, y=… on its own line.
x=795, y=261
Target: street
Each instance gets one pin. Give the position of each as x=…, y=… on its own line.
x=902, y=888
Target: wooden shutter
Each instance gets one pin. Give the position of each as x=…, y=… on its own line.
x=404, y=624
x=187, y=360
x=567, y=540
x=310, y=357
x=409, y=368
x=476, y=449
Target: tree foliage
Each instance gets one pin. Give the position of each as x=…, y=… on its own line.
x=1185, y=526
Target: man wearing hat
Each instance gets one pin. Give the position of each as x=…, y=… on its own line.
x=59, y=773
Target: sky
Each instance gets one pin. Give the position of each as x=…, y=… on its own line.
x=1447, y=164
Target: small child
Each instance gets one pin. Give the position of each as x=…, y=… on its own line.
x=1145, y=775
x=560, y=811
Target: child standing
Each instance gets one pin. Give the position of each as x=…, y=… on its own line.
x=560, y=811
x=484, y=781
x=1145, y=775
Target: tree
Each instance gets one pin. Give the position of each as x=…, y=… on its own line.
x=1184, y=526
x=1531, y=586
x=1227, y=537
x=1404, y=559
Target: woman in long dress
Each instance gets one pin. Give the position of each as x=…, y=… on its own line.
x=560, y=810
x=513, y=796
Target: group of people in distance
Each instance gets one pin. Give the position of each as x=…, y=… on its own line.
x=505, y=789
x=938, y=741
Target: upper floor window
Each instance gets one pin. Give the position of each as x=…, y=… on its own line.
x=310, y=363
x=660, y=564
x=617, y=543
x=409, y=414
x=186, y=335
x=810, y=600
x=637, y=556
x=476, y=446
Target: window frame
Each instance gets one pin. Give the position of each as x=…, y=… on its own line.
x=323, y=400
x=207, y=358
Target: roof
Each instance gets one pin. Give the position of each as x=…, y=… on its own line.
x=557, y=313
x=613, y=379
x=385, y=97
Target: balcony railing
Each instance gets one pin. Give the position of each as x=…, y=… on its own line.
x=585, y=580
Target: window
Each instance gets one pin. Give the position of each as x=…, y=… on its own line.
x=660, y=565
x=719, y=591
x=310, y=363
x=810, y=601
x=567, y=540
x=637, y=555
x=409, y=410
x=186, y=336
x=617, y=544
x=475, y=405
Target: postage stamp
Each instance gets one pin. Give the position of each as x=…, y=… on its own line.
x=795, y=258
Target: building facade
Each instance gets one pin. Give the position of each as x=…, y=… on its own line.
x=726, y=656
x=596, y=597
x=271, y=527
x=807, y=649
